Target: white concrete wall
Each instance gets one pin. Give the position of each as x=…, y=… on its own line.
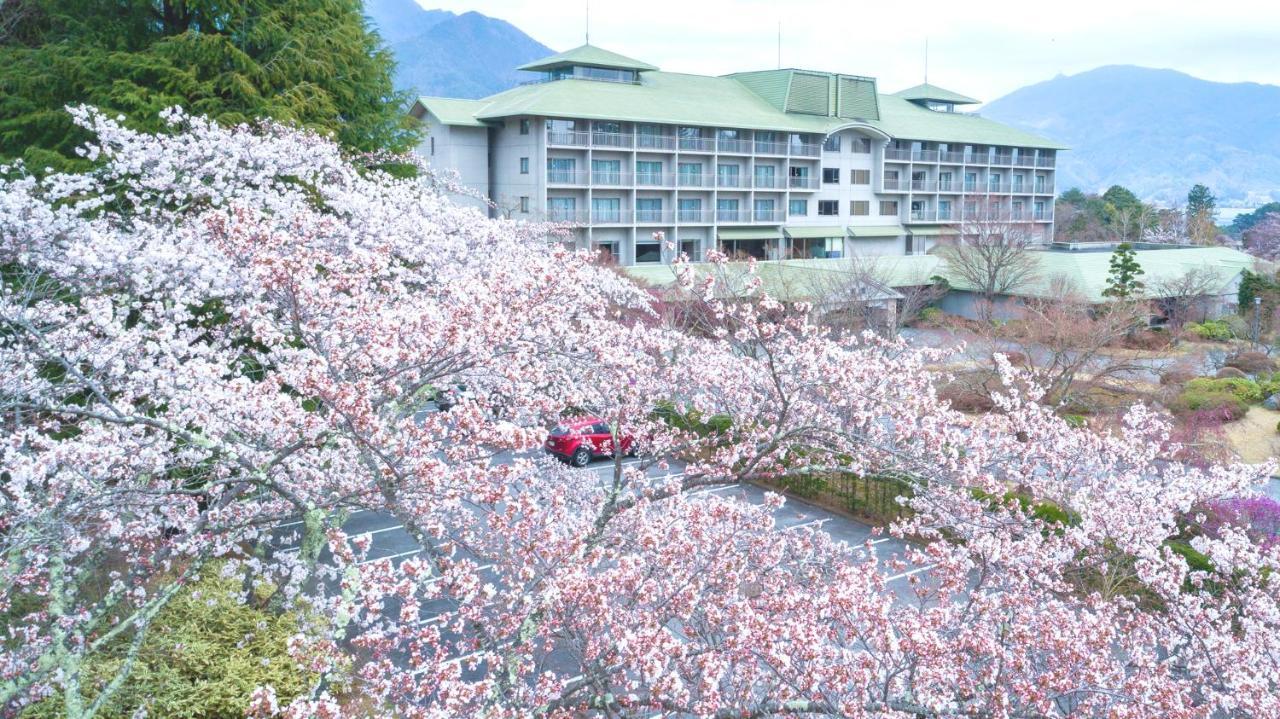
x=460, y=150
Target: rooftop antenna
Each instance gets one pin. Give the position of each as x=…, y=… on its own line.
x=587, y=24
x=779, y=43
x=926, y=59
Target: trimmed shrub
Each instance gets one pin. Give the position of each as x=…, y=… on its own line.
x=1251, y=362
x=929, y=317
x=1078, y=421
x=204, y=655
x=1225, y=404
x=1230, y=373
x=1245, y=389
x=1213, y=330
x=1146, y=340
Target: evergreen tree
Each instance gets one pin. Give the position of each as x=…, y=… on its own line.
x=314, y=63
x=1201, y=200
x=1122, y=278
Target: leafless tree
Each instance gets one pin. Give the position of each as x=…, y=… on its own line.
x=1185, y=298
x=989, y=252
x=1067, y=344
x=13, y=13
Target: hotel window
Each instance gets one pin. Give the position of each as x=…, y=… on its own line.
x=728, y=176
x=828, y=207
x=433, y=147
x=860, y=177
x=766, y=176
x=524, y=166
x=831, y=175
x=993, y=182
x=764, y=211
x=561, y=209
x=888, y=207
x=606, y=172
x=648, y=173
x=1017, y=183
x=970, y=181
x=971, y=210
x=524, y=204
x=560, y=169
x=798, y=208
x=689, y=210
x=524, y=127
x=648, y=253
x=690, y=174
x=1039, y=183
x=727, y=210
x=862, y=145
x=1017, y=210
x=860, y=208
x=648, y=209
x=606, y=209
x=944, y=209
x=831, y=144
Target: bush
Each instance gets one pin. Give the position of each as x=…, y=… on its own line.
x=1246, y=390
x=929, y=316
x=1259, y=517
x=1224, y=404
x=1230, y=373
x=1214, y=330
x=1251, y=362
x=1078, y=421
x=1146, y=340
x=1238, y=326
x=204, y=655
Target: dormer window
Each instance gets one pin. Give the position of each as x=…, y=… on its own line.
x=589, y=63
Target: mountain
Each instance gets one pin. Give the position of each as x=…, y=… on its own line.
x=439, y=52
x=1157, y=132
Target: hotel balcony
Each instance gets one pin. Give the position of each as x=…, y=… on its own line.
x=697, y=144
x=621, y=140
x=568, y=139
x=654, y=217
x=802, y=183
x=610, y=179
x=770, y=148
x=655, y=179
x=610, y=217
x=567, y=177
x=733, y=216
x=655, y=142
x=802, y=149
x=769, y=182
x=735, y=181
x=695, y=217
x=563, y=214
x=734, y=146
x=769, y=215
x=689, y=179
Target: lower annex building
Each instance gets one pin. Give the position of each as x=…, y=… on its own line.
x=773, y=164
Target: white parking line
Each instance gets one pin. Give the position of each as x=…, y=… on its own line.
x=913, y=572
x=355, y=534
x=300, y=522
x=390, y=556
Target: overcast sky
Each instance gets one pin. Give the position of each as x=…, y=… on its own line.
x=981, y=48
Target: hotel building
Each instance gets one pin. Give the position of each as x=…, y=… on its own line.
x=773, y=164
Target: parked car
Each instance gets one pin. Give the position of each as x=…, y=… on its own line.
x=446, y=399
x=581, y=439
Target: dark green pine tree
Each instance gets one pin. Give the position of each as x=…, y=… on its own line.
x=312, y=63
x=1122, y=278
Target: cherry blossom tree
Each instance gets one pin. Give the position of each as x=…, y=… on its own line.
x=219, y=333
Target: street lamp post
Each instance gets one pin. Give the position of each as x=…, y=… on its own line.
x=1257, y=319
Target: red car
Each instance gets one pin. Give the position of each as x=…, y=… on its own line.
x=581, y=439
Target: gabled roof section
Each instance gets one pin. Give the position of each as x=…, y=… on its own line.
x=812, y=92
x=663, y=97
x=449, y=110
x=590, y=56
x=925, y=91
x=905, y=119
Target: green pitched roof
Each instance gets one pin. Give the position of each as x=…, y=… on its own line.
x=781, y=100
x=451, y=111
x=876, y=230
x=926, y=91
x=1086, y=271
x=805, y=232
x=587, y=55
x=785, y=280
x=904, y=119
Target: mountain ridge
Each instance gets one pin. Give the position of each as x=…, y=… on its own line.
x=1155, y=130
x=439, y=52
